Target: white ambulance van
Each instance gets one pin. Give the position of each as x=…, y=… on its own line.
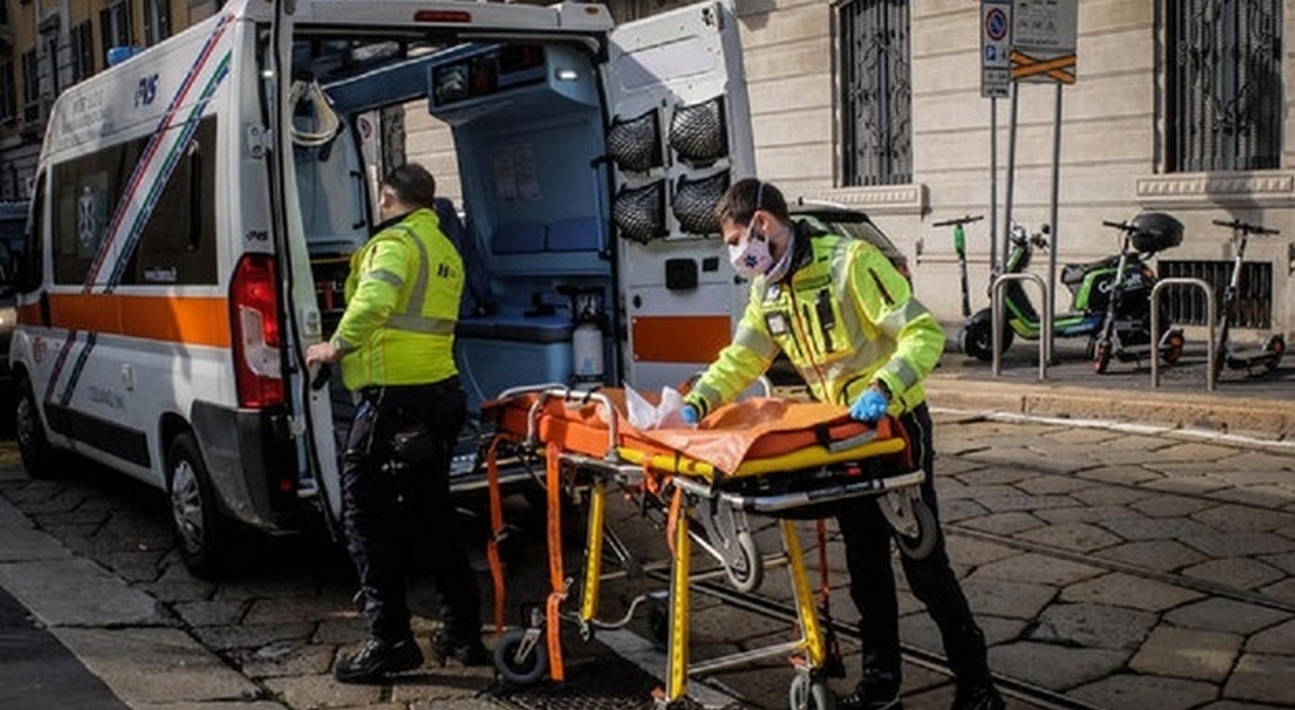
x=194, y=202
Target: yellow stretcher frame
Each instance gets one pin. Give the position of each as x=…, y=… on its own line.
x=690, y=480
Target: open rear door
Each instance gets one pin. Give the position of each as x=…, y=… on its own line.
x=679, y=134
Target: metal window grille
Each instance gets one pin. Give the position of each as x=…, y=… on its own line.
x=1225, y=84
x=1254, y=307
x=50, y=40
x=876, y=92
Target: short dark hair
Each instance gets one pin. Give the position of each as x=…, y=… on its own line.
x=745, y=196
x=412, y=184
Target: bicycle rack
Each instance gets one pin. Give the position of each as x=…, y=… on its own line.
x=997, y=323
x=1211, y=316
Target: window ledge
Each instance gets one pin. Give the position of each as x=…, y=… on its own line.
x=1267, y=187
x=883, y=199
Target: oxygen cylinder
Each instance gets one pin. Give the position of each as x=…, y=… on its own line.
x=587, y=351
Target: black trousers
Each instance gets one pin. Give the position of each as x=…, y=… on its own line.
x=398, y=517
x=867, y=538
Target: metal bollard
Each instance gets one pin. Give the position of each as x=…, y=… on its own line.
x=1211, y=316
x=997, y=323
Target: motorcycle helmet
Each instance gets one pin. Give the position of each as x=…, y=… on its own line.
x=1156, y=231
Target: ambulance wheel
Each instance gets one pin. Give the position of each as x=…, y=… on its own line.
x=201, y=530
x=808, y=693
x=523, y=670
x=919, y=546
x=38, y=457
x=746, y=577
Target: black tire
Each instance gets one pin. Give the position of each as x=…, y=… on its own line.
x=520, y=671
x=205, y=536
x=38, y=456
x=921, y=545
x=806, y=693
x=1275, y=346
x=1102, y=357
x=746, y=580
x=1172, y=350
x=976, y=337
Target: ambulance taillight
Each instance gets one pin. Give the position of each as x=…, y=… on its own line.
x=254, y=312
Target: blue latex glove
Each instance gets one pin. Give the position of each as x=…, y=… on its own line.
x=869, y=407
x=690, y=415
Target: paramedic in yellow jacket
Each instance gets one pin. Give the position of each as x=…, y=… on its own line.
x=847, y=320
x=395, y=343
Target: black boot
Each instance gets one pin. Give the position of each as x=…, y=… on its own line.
x=981, y=695
x=877, y=691
x=469, y=652
x=377, y=658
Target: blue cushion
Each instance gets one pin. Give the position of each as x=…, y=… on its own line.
x=581, y=234
x=522, y=238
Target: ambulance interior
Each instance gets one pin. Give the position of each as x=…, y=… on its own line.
x=527, y=123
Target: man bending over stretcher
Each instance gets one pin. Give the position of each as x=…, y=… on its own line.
x=847, y=320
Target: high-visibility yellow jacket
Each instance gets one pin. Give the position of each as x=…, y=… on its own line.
x=845, y=318
x=402, y=303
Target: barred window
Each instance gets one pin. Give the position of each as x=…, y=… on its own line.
x=1224, y=85
x=875, y=92
x=157, y=21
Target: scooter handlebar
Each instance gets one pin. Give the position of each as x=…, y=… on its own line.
x=1245, y=227
x=966, y=219
x=1125, y=226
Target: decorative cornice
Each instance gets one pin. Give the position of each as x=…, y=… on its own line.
x=898, y=199
x=1222, y=188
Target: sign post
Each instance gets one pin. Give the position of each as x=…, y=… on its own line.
x=995, y=82
x=1044, y=37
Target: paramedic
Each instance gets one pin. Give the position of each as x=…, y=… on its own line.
x=395, y=344
x=846, y=319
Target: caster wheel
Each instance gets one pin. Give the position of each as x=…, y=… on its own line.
x=746, y=576
x=808, y=693
x=919, y=546
x=517, y=664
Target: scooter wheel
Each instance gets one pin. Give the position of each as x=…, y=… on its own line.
x=1276, y=347
x=1101, y=357
x=1171, y=349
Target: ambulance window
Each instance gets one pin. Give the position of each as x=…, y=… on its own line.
x=178, y=244
x=85, y=194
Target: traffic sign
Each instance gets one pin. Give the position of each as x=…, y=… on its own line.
x=995, y=47
x=1044, y=35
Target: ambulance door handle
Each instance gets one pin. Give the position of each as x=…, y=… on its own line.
x=127, y=377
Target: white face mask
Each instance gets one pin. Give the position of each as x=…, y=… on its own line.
x=751, y=257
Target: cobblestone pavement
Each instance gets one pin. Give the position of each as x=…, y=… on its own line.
x=1118, y=568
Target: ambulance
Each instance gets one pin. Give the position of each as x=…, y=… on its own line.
x=195, y=204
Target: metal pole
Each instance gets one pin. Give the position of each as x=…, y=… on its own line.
x=1211, y=314
x=993, y=185
x=1052, y=217
x=1011, y=170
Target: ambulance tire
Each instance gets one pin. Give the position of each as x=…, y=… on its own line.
x=204, y=534
x=38, y=456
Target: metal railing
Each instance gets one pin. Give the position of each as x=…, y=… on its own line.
x=998, y=323
x=1211, y=317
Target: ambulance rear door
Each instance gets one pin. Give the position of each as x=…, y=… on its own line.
x=679, y=133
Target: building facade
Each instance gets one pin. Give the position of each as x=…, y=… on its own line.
x=1180, y=106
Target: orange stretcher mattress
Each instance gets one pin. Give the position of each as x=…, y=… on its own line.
x=751, y=437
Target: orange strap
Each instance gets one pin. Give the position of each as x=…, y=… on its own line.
x=553, y=481
x=496, y=531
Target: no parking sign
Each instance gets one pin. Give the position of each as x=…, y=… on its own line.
x=995, y=48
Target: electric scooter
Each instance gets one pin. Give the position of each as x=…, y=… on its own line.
x=1123, y=278
x=1268, y=356
x=960, y=247
x=1126, y=326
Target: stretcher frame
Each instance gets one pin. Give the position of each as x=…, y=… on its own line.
x=680, y=484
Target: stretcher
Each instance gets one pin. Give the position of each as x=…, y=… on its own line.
x=774, y=457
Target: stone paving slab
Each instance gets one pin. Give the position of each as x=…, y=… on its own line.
x=1187, y=653
x=1128, y=690
x=88, y=594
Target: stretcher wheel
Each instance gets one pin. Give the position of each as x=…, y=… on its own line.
x=748, y=579
x=917, y=547
x=517, y=667
x=807, y=693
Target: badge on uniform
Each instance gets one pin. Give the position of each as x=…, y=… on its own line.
x=777, y=322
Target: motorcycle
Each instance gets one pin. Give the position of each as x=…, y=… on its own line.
x=1110, y=300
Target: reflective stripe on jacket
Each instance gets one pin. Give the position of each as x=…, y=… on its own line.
x=845, y=318
x=402, y=302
